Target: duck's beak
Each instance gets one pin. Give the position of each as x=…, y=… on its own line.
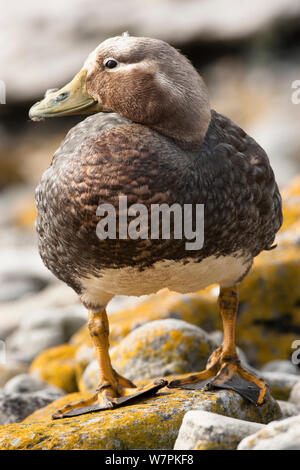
x=73, y=98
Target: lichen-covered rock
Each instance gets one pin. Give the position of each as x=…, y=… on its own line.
x=269, y=311
x=201, y=430
x=280, y=435
x=158, y=348
x=14, y=407
x=57, y=367
x=200, y=310
x=151, y=424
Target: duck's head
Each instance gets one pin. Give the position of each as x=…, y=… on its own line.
x=145, y=80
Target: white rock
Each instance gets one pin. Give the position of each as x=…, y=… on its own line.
x=203, y=430
x=288, y=409
x=281, y=366
x=295, y=394
x=43, y=329
x=278, y=435
x=25, y=383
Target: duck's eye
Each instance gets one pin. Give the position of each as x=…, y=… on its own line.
x=110, y=63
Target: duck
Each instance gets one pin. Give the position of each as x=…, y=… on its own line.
x=152, y=139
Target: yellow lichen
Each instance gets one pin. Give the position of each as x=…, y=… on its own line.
x=57, y=366
x=150, y=424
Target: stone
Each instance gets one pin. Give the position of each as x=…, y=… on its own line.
x=57, y=367
x=278, y=435
x=295, y=394
x=281, y=383
x=200, y=310
x=43, y=329
x=17, y=287
x=157, y=349
x=15, y=407
x=269, y=311
x=9, y=370
x=288, y=409
x=151, y=424
x=25, y=383
x=203, y=430
x=284, y=366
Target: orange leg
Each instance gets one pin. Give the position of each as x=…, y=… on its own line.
x=223, y=366
x=112, y=388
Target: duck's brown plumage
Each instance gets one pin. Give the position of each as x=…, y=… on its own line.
x=106, y=156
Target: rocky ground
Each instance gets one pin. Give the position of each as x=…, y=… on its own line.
x=49, y=359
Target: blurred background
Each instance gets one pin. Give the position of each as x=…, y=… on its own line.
x=248, y=53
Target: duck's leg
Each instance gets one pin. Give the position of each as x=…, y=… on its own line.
x=224, y=364
x=112, y=390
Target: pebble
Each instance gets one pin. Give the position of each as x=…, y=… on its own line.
x=14, y=407
x=202, y=430
x=278, y=435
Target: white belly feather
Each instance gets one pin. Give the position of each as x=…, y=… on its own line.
x=175, y=275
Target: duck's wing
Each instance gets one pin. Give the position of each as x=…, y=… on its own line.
x=244, y=175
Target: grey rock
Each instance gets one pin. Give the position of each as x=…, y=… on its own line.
x=278, y=435
x=17, y=287
x=25, y=383
x=9, y=370
x=284, y=366
x=288, y=409
x=204, y=430
x=43, y=329
x=15, y=407
x=161, y=348
x=295, y=394
x=281, y=383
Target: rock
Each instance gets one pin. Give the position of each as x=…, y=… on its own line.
x=288, y=409
x=279, y=435
x=14, y=407
x=41, y=330
x=151, y=424
x=19, y=287
x=57, y=296
x=158, y=348
x=200, y=310
x=9, y=370
x=35, y=340
x=269, y=306
x=25, y=383
x=57, y=367
x=202, y=430
x=281, y=366
x=281, y=384
x=295, y=394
